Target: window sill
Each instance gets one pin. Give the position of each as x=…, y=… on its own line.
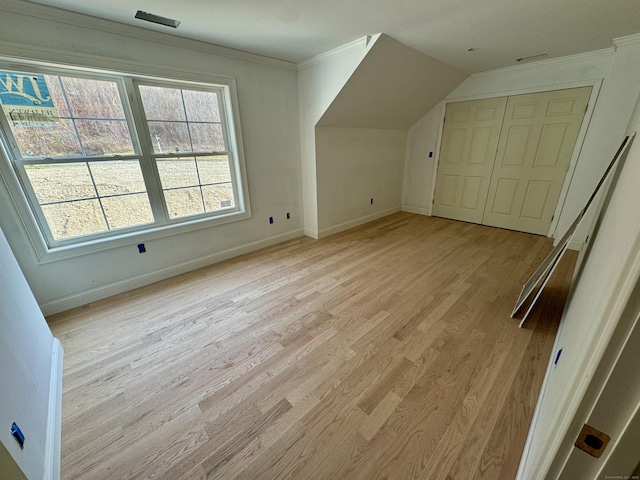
x=55, y=254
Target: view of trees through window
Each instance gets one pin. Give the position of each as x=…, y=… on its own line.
x=90, y=121
x=76, y=146
x=182, y=121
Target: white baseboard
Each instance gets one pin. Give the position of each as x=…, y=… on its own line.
x=418, y=210
x=575, y=244
x=355, y=222
x=87, y=296
x=54, y=416
x=311, y=233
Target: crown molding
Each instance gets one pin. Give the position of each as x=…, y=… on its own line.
x=627, y=40
x=45, y=12
x=360, y=43
x=578, y=57
x=17, y=55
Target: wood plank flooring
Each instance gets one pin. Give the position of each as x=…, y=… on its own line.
x=384, y=352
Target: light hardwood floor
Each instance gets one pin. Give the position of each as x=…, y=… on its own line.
x=384, y=352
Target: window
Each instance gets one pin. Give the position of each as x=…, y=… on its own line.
x=100, y=156
x=186, y=125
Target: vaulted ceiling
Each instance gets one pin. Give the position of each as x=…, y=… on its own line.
x=391, y=88
x=293, y=30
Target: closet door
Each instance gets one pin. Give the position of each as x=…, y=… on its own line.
x=538, y=137
x=467, y=153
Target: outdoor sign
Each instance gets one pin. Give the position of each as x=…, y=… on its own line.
x=26, y=100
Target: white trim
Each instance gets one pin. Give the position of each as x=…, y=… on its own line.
x=608, y=321
x=359, y=44
x=20, y=203
x=627, y=40
x=63, y=59
x=573, y=163
x=602, y=386
x=595, y=85
x=536, y=413
x=417, y=210
x=550, y=87
x=45, y=255
x=356, y=222
x=20, y=190
x=58, y=15
x=436, y=155
x=311, y=233
x=81, y=298
x=578, y=57
x=52, y=449
x=615, y=365
x=574, y=244
x=17, y=56
x=616, y=441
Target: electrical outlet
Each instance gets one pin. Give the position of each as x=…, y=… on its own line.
x=592, y=441
x=270, y=219
x=371, y=201
x=288, y=215
x=141, y=248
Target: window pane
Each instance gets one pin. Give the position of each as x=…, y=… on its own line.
x=207, y=137
x=178, y=173
x=105, y=137
x=201, y=106
x=54, y=141
x=182, y=120
x=217, y=197
x=44, y=112
x=55, y=90
x=162, y=103
x=169, y=137
x=214, y=169
x=183, y=202
x=60, y=189
x=61, y=182
x=127, y=210
x=117, y=178
x=73, y=219
x=89, y=98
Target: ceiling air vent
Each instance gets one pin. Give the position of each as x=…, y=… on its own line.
x=532, y=58
x=150, y=17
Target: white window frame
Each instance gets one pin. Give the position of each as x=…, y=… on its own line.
x=15, y=177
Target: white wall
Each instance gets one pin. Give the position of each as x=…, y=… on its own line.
x=625, y=456
x=611, y=402
x=320, y=79
x=360, y=140
x=26, y=349
x=620, y=72
x=420, y=169
x=268, y=104
x=609, y=274
x=353, y=166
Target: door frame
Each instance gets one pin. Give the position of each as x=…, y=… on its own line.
x=595, y=85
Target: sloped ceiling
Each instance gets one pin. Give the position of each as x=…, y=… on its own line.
x=392, y=88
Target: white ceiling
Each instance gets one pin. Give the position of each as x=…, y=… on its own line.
x=294, y=30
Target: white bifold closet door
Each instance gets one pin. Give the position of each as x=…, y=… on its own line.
x=537, y=134
x=467, y=154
